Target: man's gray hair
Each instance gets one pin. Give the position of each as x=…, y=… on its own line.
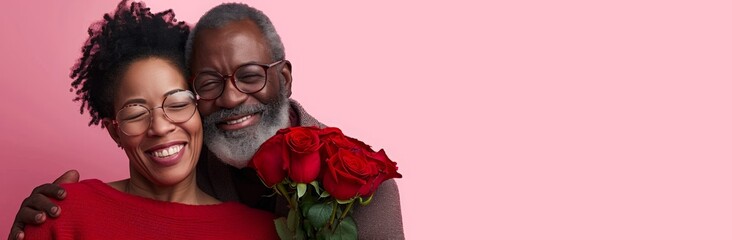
x=226, y=13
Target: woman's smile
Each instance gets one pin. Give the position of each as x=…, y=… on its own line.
x=167, y=154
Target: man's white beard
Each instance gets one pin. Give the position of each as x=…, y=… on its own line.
x=236, y=148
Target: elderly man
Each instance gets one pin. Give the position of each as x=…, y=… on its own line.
x=230, y=43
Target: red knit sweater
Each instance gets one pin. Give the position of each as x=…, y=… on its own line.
x=94, y=210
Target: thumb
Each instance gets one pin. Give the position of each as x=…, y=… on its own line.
x=71, y=176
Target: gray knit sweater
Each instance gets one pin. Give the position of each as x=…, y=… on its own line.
x=381, y=219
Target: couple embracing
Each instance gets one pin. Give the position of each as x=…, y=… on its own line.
x=190, y=107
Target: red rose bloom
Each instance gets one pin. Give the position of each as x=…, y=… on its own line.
x=348, y=174
x=304, y=158
x=344, y=167
x=387, y=170
x=329, y=131
x=270, y=162
x=334, y=139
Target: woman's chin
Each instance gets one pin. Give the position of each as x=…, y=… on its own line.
x=172, y=175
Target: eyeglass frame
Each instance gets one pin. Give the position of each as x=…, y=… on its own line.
x=150, y=111
x=232, y=79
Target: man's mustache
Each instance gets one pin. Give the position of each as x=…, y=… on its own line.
x=241, y=110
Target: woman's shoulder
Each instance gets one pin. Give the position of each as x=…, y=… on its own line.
x=86, y=183
x=82, y=190
x=82, y=204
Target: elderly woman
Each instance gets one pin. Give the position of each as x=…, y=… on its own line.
x=131, y=80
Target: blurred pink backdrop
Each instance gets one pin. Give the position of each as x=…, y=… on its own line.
x=509, y=119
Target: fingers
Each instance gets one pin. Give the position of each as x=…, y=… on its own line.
x=28, y=215
x=36, y=208
x=40, y=202
x=71, y=176
x=38, y=205
x=49, y=190
x=16, y=233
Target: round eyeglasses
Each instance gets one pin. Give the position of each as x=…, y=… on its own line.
x=248, y=78
x=134, y=119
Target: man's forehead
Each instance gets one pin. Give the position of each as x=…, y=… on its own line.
x=233, y=28
x=237, y=42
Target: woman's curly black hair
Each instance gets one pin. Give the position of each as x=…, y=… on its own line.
x=131, y=33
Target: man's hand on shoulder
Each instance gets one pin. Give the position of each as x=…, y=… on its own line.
x=36, y=207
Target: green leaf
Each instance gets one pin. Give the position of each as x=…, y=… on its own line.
x=301, y=189
x=367, y=201
x=282, y=231
x=324, y=194
x=292, y=220
x=316, y=186
x=319, y=214
x=346, y=201
x=300, y=234
x=305, y=203
x=346, y=231
x=309, y=230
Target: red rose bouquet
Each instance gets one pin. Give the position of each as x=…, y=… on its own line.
x=321, y=173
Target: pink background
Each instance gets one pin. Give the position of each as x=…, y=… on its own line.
x=520, y=120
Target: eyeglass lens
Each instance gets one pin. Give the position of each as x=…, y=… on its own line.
x=178, y=107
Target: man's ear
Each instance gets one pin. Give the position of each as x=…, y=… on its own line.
x=112, y=130
x=286, y=73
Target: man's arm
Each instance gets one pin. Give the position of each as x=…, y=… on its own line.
x=382, y=218
x=38, y=205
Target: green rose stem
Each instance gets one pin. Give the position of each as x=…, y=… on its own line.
x=333, y=214
x=283, y=191
x=343, y=215
x=293, y=204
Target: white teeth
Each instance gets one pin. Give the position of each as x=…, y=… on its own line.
x=172, y=150
x=239, y=120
